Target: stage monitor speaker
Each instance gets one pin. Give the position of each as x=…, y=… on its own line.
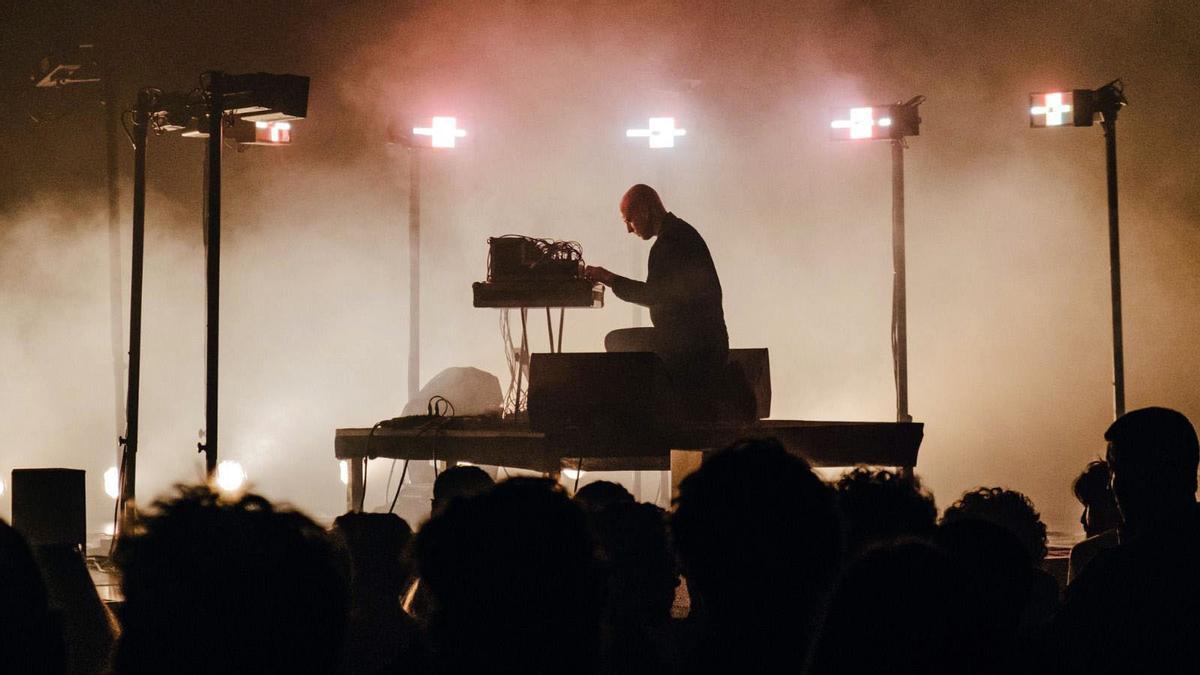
x=48, y=506
x=605, y=393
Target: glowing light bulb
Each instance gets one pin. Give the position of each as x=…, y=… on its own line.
x=661, y=131
x=573, y=474
x=230, y=476
x=112, y=482
x=443, y=132
x=1054, y=107
x=861, y=123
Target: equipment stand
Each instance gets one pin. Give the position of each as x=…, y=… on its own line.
x=1114, y=256
x=127, y=474
x=899, y=292
x=216, y=113
x=414, y=271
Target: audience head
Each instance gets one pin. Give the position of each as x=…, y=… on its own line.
x=512, y=578
x=459, y=481
x=597, y=496
x=755, y=529
x=880, y=505
x=1092, y=489
x=997, y=566
x=30, y=634
x=1008, y=509
x=377, y=544
x=912, y=603
x=216, y=586
x=1152, y=454
x=633, y=544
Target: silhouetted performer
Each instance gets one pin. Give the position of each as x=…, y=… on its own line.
x=1136, y=607
x=681, y=290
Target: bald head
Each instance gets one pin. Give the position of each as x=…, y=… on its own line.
x=642, y=210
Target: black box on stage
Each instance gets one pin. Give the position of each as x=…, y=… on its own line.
x=618, y=392
x=48, y=506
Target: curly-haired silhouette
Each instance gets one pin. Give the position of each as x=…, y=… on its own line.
x=217, y=586
x=1009, y=509
x=1092, y=489
x=1100, y=517
x=759, y=538
x=514, y=583
x=881, y=504
x=381, y=637
x=1136, y=608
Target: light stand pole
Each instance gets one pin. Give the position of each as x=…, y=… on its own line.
x=212, y=247
x=899, y=288
x=1079, y=107
x=443, y=132
x=414, y=271
x=1114, y=254
x=129, y=442
x=893, y=123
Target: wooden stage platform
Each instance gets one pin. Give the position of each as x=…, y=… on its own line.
x=513, y=443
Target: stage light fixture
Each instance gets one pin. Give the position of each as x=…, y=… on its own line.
x=880, y=122
x=443, y=132
x=265, y=97
x=76, y=65
x=1077, y=107
x=1082, y=107
x=112, y=486
x=230, y=477
x=660, y=130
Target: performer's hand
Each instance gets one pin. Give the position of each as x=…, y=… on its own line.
x=598, y=274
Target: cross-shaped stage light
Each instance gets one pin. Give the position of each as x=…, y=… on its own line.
x=861, y=123
x=1051, y=110
x=661, y=131
x=443, y=131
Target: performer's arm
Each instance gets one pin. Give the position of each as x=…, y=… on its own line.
x=630, y=290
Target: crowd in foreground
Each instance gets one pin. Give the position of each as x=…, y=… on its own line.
x=785, y=574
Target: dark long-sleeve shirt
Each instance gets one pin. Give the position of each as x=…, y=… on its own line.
x=681, y=289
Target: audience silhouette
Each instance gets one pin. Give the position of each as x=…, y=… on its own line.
x=1136, y=608
x=464, y=480
x=759, y=539
x=514, y=583
x=639, y=567
x=516, y=577
x=380, y=636
x=599, y=495
x=902, y=607
x=229, y=586
x=880, y=505
x=1100, y=517
x=31, y=639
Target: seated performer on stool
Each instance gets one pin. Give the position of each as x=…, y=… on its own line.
x=681, y=289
